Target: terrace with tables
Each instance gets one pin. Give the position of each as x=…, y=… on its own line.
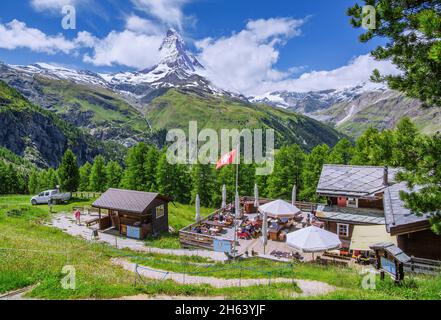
x=245, y=238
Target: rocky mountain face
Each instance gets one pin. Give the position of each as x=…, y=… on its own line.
x=38, y=135
x=353, y=110
x=92, y=107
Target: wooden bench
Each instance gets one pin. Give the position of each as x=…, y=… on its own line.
x=92, y=222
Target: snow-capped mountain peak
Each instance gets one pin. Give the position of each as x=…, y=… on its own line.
x=174, y=53
x=307, y=102
x=177, y=68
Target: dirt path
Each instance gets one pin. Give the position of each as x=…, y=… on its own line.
x=309, y=288
x=66, y=223
x=17, y=294
x=163, y=297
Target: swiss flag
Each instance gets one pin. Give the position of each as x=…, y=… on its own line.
x=226, y=160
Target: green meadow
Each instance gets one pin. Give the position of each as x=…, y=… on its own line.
x=32, y=253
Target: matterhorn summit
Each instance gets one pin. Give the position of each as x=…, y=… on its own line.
x=174, y=53
x=177, y=68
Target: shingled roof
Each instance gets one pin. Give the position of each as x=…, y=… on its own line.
x=399, y=219
x=353, y=181
x=127, y=200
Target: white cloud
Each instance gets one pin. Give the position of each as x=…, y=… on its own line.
x=357, y=71
x=274, y=27
x=167, y=11
x=135, y=47
x=17, y=34
x=125, y=48
x=42, y=5
x=145, y=26
x=245, y=60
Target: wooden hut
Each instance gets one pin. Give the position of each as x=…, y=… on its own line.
x=354, y=200
x=413, y=232
x=134, y=214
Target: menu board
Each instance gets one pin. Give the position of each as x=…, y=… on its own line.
x=388, y=266
x=222, y=246
x=133, y=232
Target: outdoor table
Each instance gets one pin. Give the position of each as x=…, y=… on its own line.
x=273, y=233
x=214, y=224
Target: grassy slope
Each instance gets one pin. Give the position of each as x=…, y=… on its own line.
x=33, y=253
x=175, y=109
x=51, y=249
x=107, y=107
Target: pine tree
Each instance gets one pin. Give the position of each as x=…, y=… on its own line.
x=85, y=176
x=374, y=148
x=202, y=177
x=426, y=174
x=406, y=144
x=312, y=171
x=262, y=183
x=224, y=176
x=182, y=184
x=173, y=180
x=342, y=152
x=150, y=165
x=2, y=177
x=287, y=172
x=52, y=179
x=33, y=185
x=114, y=174
x=68, y=172
x=413, y=31
x=97, y=179
x=135, y=176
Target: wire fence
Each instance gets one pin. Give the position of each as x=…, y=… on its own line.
x=189, y=272
x=238, y=276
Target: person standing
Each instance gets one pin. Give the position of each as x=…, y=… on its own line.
x=78, y=217
x=50, y=203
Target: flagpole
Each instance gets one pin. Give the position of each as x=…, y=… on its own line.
x=236, y=195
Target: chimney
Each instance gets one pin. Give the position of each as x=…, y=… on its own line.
x=386, y=176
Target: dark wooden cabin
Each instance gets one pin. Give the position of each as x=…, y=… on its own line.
x=413, y=232
x=134, y=214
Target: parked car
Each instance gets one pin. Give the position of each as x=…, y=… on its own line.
x=55, y=195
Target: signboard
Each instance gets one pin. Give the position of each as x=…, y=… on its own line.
x=222, y=246
x=133, y=232
x=388, y=266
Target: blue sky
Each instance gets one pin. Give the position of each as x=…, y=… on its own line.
x=309, y=37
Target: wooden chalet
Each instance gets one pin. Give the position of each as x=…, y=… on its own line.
x=364, y=208
x=413, y=232
x=134, y=214
x=354, y=203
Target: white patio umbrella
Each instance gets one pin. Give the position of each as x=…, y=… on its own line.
x=198, y=208
x=294, y=195
x=313, y=239
x=237, y=206
x=224, y=196
x=279, y=209
x=256, y=196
